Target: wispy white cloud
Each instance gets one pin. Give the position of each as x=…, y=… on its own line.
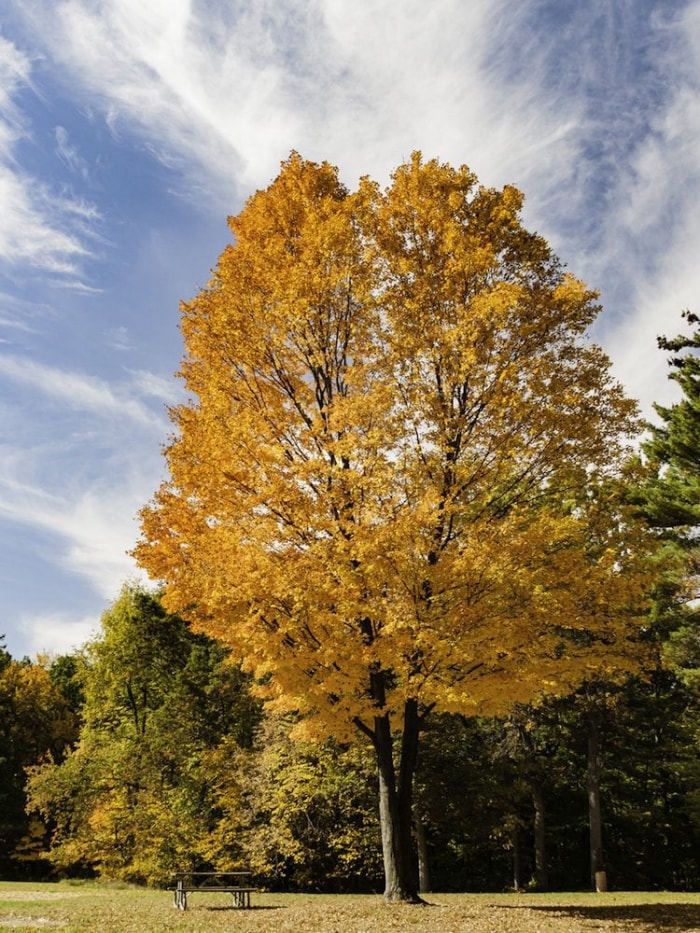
x=15, y=70
x=80, y=392
x=70, y=155
x=119, y=338
x=57, y=633
x=26, y=234
x=77, y=285
x=236, y=87
x=35, y=226
x=20, y=318
x=93, y=529
x=646, y=254
x=156, y=386
x=14, y=324
x=79, y=474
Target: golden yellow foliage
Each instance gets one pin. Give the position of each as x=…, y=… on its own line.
x=394, y=415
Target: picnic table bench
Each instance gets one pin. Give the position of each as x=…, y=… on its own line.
x=211, y=882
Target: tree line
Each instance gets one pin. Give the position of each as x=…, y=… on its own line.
x=145, y=753
x=404, y=513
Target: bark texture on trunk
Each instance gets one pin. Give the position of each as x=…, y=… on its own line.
x=517, y=861
x=396, y=799
x=422, y=847
x=599, y=879
x=541, y=875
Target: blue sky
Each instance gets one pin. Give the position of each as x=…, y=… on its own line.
x=129, y=130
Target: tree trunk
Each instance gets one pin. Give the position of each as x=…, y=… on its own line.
x=517, y=861
x=599, y=879
x=423, y=868
x=395, y=802
x=540, y=838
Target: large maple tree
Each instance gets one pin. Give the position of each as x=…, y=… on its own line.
x=375, y=491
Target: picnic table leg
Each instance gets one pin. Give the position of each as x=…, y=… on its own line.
x=241, y=899
x=180, y=897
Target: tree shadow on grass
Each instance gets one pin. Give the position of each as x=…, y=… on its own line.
x=660, y=917
x=243, y=910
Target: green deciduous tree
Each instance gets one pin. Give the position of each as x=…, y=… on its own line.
x=35, y=721
x=135, y=799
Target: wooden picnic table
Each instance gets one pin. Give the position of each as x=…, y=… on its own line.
x=211, y=882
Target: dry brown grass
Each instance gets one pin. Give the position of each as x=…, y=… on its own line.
x=93, y=908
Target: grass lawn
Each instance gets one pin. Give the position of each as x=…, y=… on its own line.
x=96, y=908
